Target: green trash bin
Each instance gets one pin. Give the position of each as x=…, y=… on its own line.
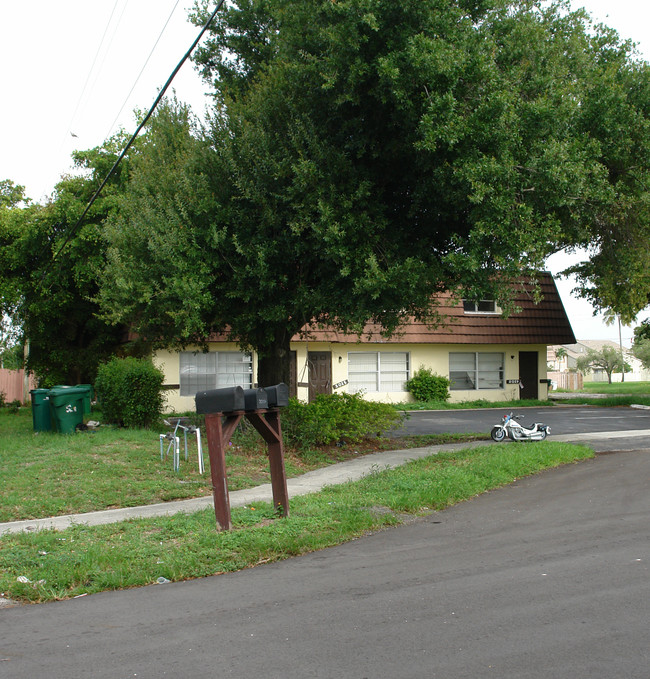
x=88, y=397
x=67, y=408
x=41, y=410
x=52, y=418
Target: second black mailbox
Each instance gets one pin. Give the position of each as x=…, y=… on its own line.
x=255, y=399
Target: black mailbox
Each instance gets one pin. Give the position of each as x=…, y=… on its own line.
x=278, y=395
x=220, y=400
x=255, y=399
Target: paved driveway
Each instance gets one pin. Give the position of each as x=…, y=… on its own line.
x=547, y=578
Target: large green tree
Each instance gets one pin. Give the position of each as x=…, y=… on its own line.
x=641, y=350
x=641, y=343
x=365, y=154
x=11, y=194
x=49, y=273
x=615, y=114
x=607, y=358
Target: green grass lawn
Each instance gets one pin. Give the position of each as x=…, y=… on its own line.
x=617, y=388
x=607, y=401
x=616, y=394
x=47, y=474
x=49, y=565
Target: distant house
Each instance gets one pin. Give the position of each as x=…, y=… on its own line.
x=579, y=349
x=485, y=355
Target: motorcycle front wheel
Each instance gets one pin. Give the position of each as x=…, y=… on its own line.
x=543, y=434
x=497, y=434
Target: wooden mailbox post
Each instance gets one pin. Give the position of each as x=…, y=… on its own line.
x=224, y=409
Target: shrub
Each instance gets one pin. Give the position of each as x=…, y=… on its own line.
x=14, y=406
x=425, y=385
x=331, y=418
x=130, y=392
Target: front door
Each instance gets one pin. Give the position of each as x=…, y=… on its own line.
x=320, y=373
x=528, y=374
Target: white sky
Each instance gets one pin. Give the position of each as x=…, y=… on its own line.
x=70, y=67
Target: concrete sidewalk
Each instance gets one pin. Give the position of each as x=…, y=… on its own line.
x=311, y=482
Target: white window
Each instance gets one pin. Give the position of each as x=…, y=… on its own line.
x=200, y=371
x=378, y=370
x=474, y=370
x=484, y=306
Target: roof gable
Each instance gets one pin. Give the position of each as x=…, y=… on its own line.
x=543, y=323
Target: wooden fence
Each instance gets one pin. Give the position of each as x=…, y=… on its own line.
x=12, y=385
x=568, y=381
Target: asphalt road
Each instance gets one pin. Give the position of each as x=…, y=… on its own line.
x=546, y=578
x=563, y=420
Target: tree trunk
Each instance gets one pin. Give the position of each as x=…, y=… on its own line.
x=274, y=363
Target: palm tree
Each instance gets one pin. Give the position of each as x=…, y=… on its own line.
x=560, y=353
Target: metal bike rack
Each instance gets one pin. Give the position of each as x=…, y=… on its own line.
x=181, y=423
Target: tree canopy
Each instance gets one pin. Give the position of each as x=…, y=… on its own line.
x=641, y=343
x=607, y=358
x=616, y=114
x=48, y=292
x=11, y=194
x=641, y=350
x=642, y=331
x=364, y=154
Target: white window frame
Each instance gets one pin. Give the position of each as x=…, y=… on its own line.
x=381, y=375
x=476, y=309
x=478, y=374
x=200, y=371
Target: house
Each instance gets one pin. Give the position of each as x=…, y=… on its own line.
x=572, y=352
x=485, y=355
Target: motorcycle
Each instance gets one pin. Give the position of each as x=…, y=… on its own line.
x=517, y=432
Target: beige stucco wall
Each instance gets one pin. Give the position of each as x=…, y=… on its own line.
x=169, y=363
x=435, y=357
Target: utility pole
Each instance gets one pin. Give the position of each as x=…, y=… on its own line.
x=620, y=344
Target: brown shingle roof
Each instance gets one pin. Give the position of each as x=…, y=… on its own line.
x=542, y=323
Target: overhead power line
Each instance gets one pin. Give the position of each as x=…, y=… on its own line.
x=143, y=68
x=92, y=66
x=161, y=94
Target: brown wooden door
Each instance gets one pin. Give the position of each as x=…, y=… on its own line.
x=528, y=374
x=320, y=373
